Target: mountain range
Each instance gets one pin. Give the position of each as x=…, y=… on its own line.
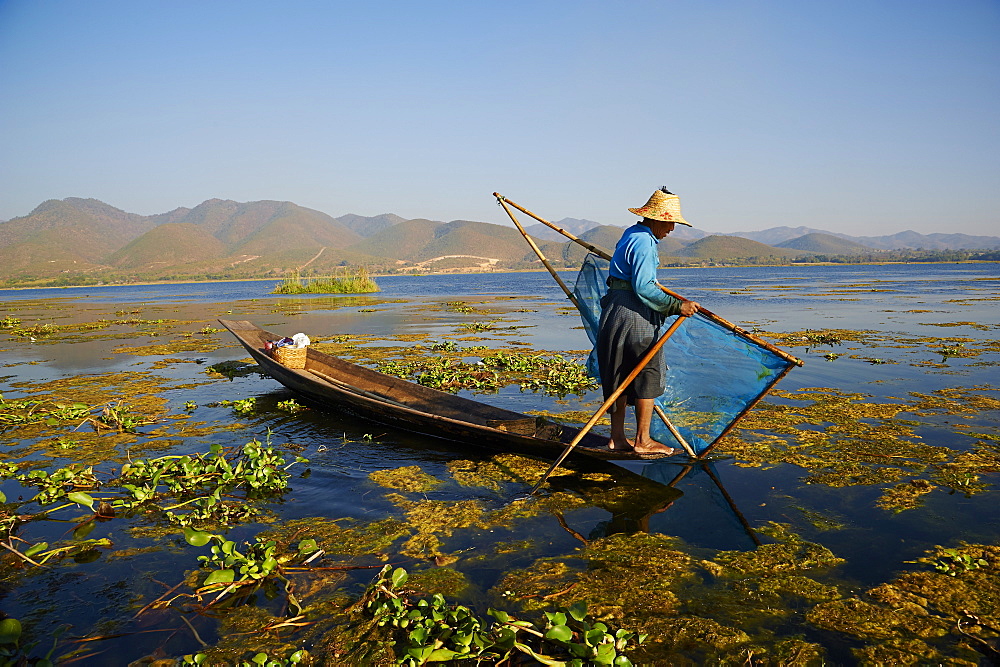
x=78, y=239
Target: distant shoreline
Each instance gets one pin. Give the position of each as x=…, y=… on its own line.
x=474, y=272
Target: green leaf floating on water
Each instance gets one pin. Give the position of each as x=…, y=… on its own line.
x=441, y=655
x=578, y=611
x=220, y=576
x=10, y=631
x=605, y=654
x=84, y=529
x=560, y=633
x=196, y=538
x=399, y=576
x=41, y=546
x=81, y=498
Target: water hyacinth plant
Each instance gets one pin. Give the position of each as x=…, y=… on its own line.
x=430, y=630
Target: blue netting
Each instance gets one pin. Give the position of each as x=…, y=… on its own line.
x=714, y=374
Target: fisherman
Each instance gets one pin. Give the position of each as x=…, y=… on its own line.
x=631, y=314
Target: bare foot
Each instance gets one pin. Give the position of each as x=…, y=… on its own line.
x=622, y=445
x=653, y=447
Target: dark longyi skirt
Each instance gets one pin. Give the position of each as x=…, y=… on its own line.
x=627, y=331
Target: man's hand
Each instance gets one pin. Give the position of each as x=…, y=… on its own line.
x=689, y=308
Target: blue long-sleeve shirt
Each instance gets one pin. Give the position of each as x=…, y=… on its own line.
x=636, y=261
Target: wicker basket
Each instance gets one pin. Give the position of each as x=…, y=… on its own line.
x=290, y=357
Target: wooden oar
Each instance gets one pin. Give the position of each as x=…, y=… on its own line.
x=600, y=252
x=538, y=251
x=610, y=400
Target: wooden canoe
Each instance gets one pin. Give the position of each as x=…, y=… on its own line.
x=341, y=386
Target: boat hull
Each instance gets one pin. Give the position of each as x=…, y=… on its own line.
x=341, y=386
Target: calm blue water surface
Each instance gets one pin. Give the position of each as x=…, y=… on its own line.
x=917, y=280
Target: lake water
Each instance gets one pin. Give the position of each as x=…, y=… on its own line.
x=893, y=322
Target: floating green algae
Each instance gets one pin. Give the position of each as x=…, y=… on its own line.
x=571, y=416
x=110, y=427
x=501, y=469
x=693, y=609
x=504, y=550
x=351, y=539
x=176, y=346
x=846, y=439
x=406, y=478
x=626, y=575
x=790, y=553
x=432, y=520
x=442, y=580
x=234, y=369
x=141, y=388
x=904, y=496
x=948, y=611
x=242, y=634
x=821, y=521
x=447, y=366
x=104, y=423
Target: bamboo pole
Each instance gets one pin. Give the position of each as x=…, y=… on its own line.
x=738, y=330
x=538, y=251
x=600, y=252
x=610, y=400
x=673, y=431
x=592, y=248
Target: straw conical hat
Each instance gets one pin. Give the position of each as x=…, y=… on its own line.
x=662, y=205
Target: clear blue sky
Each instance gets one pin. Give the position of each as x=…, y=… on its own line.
x=866, y=117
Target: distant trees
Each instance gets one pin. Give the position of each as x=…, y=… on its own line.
x=116, y=277
x=906, y=255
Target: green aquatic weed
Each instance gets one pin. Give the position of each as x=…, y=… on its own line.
x=291, y=405
x=954, y=562
x=243, y=406
x=233, y=369
x=479, y=327
x=60, y=482
x=121, y=417
x=423, y=630
x=261, y=658
x=236, y=571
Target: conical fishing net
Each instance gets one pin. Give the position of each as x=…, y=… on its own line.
x=714, y=374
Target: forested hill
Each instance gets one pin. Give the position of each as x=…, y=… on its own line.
x=85, y=241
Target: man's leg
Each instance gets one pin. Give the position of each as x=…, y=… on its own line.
x=618, y=439
x=644, y=443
